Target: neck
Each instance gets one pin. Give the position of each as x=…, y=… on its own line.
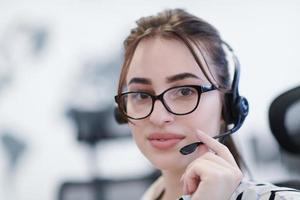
x=173, y=186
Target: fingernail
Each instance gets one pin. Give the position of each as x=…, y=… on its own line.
x=200, y=132
x=182, y=177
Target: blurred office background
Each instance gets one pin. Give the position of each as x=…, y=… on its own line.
x=59, y=64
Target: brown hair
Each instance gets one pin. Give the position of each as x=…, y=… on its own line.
x=196, y=34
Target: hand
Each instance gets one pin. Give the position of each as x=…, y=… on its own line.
x=214, y=175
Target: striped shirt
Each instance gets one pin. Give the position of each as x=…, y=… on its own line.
x=247, y=190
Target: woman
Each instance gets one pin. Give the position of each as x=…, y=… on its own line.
x=172, y=91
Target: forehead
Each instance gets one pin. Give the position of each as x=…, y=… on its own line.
x=158, y=57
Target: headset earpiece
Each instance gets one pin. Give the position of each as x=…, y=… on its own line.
x=240, y=111
x=243, y=108
x=236, y=106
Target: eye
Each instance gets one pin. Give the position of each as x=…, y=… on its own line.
x=185, y=91
x=139, y=96
x=182, y=93
x=142, y=96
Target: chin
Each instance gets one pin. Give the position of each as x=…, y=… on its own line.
x=169, y=161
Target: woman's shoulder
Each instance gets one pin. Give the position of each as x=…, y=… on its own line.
x=252, y=190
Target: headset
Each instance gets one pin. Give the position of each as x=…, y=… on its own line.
x=236, y=106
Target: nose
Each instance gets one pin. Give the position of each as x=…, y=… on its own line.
x=160, y=115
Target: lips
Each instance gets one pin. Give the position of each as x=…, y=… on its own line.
x=164, y=141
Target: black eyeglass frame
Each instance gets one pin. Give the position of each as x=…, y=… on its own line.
x=200, y=89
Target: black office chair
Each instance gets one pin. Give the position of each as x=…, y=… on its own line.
x=284, y=120
x=106, y=189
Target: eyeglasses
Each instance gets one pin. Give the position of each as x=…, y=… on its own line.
x=179, y=100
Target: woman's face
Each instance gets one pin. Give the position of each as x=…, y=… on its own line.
x=159, y=62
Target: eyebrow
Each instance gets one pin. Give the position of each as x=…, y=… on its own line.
x=181, y=76
x=140, y=81
x=170, y=79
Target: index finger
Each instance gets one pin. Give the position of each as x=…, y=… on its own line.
x=219, y=148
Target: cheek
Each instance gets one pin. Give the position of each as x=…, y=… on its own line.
x=137, y=133
x=134, y=130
